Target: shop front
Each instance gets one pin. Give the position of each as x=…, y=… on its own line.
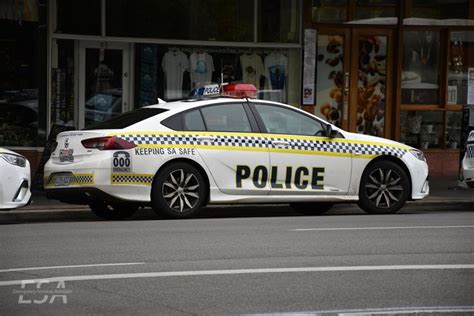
x=395, y=69
x=103, y=58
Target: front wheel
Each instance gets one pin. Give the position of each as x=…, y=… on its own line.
x=384, y=188
x=116, y=211
x=179, y=191
x=311, y=208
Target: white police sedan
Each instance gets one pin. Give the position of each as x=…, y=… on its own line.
x=180, y=156
x=15, y=180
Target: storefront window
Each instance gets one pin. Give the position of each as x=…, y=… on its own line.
x=22, y=115
x=171, y=72
x=460, y=66
x=420, y=70
x=329, y=11
x=421, y=129
x=62, y=84
x=78, y=17
x=376, y=12
x=206, y=20
x=453, y=129
x=438, y=12
x=278, y=21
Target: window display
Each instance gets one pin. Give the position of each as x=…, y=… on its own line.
x=184, y=68
x=421, y=129
x=329, y=78
x=420, y=70
x=371, y=85
x=22, y=110
x=461, y=58
x=174, y=64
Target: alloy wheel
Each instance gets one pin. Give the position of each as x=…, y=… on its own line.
x=383, y=187
x=181, y=190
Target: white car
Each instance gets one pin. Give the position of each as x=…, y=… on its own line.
x=180, y=156
x=15, y=180
x=468, y=161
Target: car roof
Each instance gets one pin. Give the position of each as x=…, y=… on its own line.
x=181, y=105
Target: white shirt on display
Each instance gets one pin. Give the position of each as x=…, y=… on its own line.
x=174, y=64
x=202, y=68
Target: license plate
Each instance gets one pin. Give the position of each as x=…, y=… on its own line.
x=62, y=181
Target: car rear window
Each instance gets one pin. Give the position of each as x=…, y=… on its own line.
x=126, y=119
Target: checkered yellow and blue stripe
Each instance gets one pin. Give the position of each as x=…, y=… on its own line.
x=259, y=142
x=74, y=179
x=132, y=178
x=470, y=151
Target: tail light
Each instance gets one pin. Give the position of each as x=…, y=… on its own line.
x=107, y=143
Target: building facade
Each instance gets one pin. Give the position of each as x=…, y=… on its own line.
x=396, y=69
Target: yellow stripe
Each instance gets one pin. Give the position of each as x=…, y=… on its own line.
x=259, y=135
x=259, y=149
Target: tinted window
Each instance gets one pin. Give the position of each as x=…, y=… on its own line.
x=126, y=119
x=226, y=118
x=173, y=122
x=192, y=121
x=279, y=120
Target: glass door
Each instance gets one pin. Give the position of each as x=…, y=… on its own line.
x=371, y=82
x=332, y=76
x=103, y=81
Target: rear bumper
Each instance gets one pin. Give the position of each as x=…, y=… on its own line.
x=83, y=196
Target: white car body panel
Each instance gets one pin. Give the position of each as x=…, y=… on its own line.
x=157, y=145
x=467, y=165
x=12, y=176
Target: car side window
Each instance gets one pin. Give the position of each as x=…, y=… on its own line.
x=279, y=120
x=226, y=118
x=192, y=121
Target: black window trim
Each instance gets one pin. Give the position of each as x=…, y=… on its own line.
x=262, y=124
x=245, y=104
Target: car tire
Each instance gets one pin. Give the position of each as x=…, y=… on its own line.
x=179, y=191
x=311, y=208
x=115, y=211
x=470, y=184
x=384, y=188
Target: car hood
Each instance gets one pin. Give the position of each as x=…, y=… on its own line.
x=6, y=151
x=375, y=139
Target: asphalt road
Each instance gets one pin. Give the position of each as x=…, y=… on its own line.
x=418, y=261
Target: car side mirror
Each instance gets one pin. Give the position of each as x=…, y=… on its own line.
x=330, y=132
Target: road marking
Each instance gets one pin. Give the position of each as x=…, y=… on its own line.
x=73, y=266
x=379, y=228
x=238, y=271
x=379, y=311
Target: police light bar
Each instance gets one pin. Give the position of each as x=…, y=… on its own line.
x=235, y=90
x=240, y=90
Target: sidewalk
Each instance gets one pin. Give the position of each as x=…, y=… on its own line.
x=444, y=192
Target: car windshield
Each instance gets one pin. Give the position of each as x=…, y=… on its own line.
x=126, y=119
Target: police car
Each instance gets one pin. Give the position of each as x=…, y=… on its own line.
x=183, y=155
x=468, y=161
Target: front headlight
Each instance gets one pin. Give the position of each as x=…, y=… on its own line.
x=14, y=159
x=418, y=154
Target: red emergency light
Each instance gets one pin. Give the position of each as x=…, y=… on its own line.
x=240, y=90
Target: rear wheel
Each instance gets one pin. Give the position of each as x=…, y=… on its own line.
x=311, y=208
x=115, y=211
x=384, y=188
x=179, y=191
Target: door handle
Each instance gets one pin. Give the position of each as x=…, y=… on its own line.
x=206, y=139
x=280, y=144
